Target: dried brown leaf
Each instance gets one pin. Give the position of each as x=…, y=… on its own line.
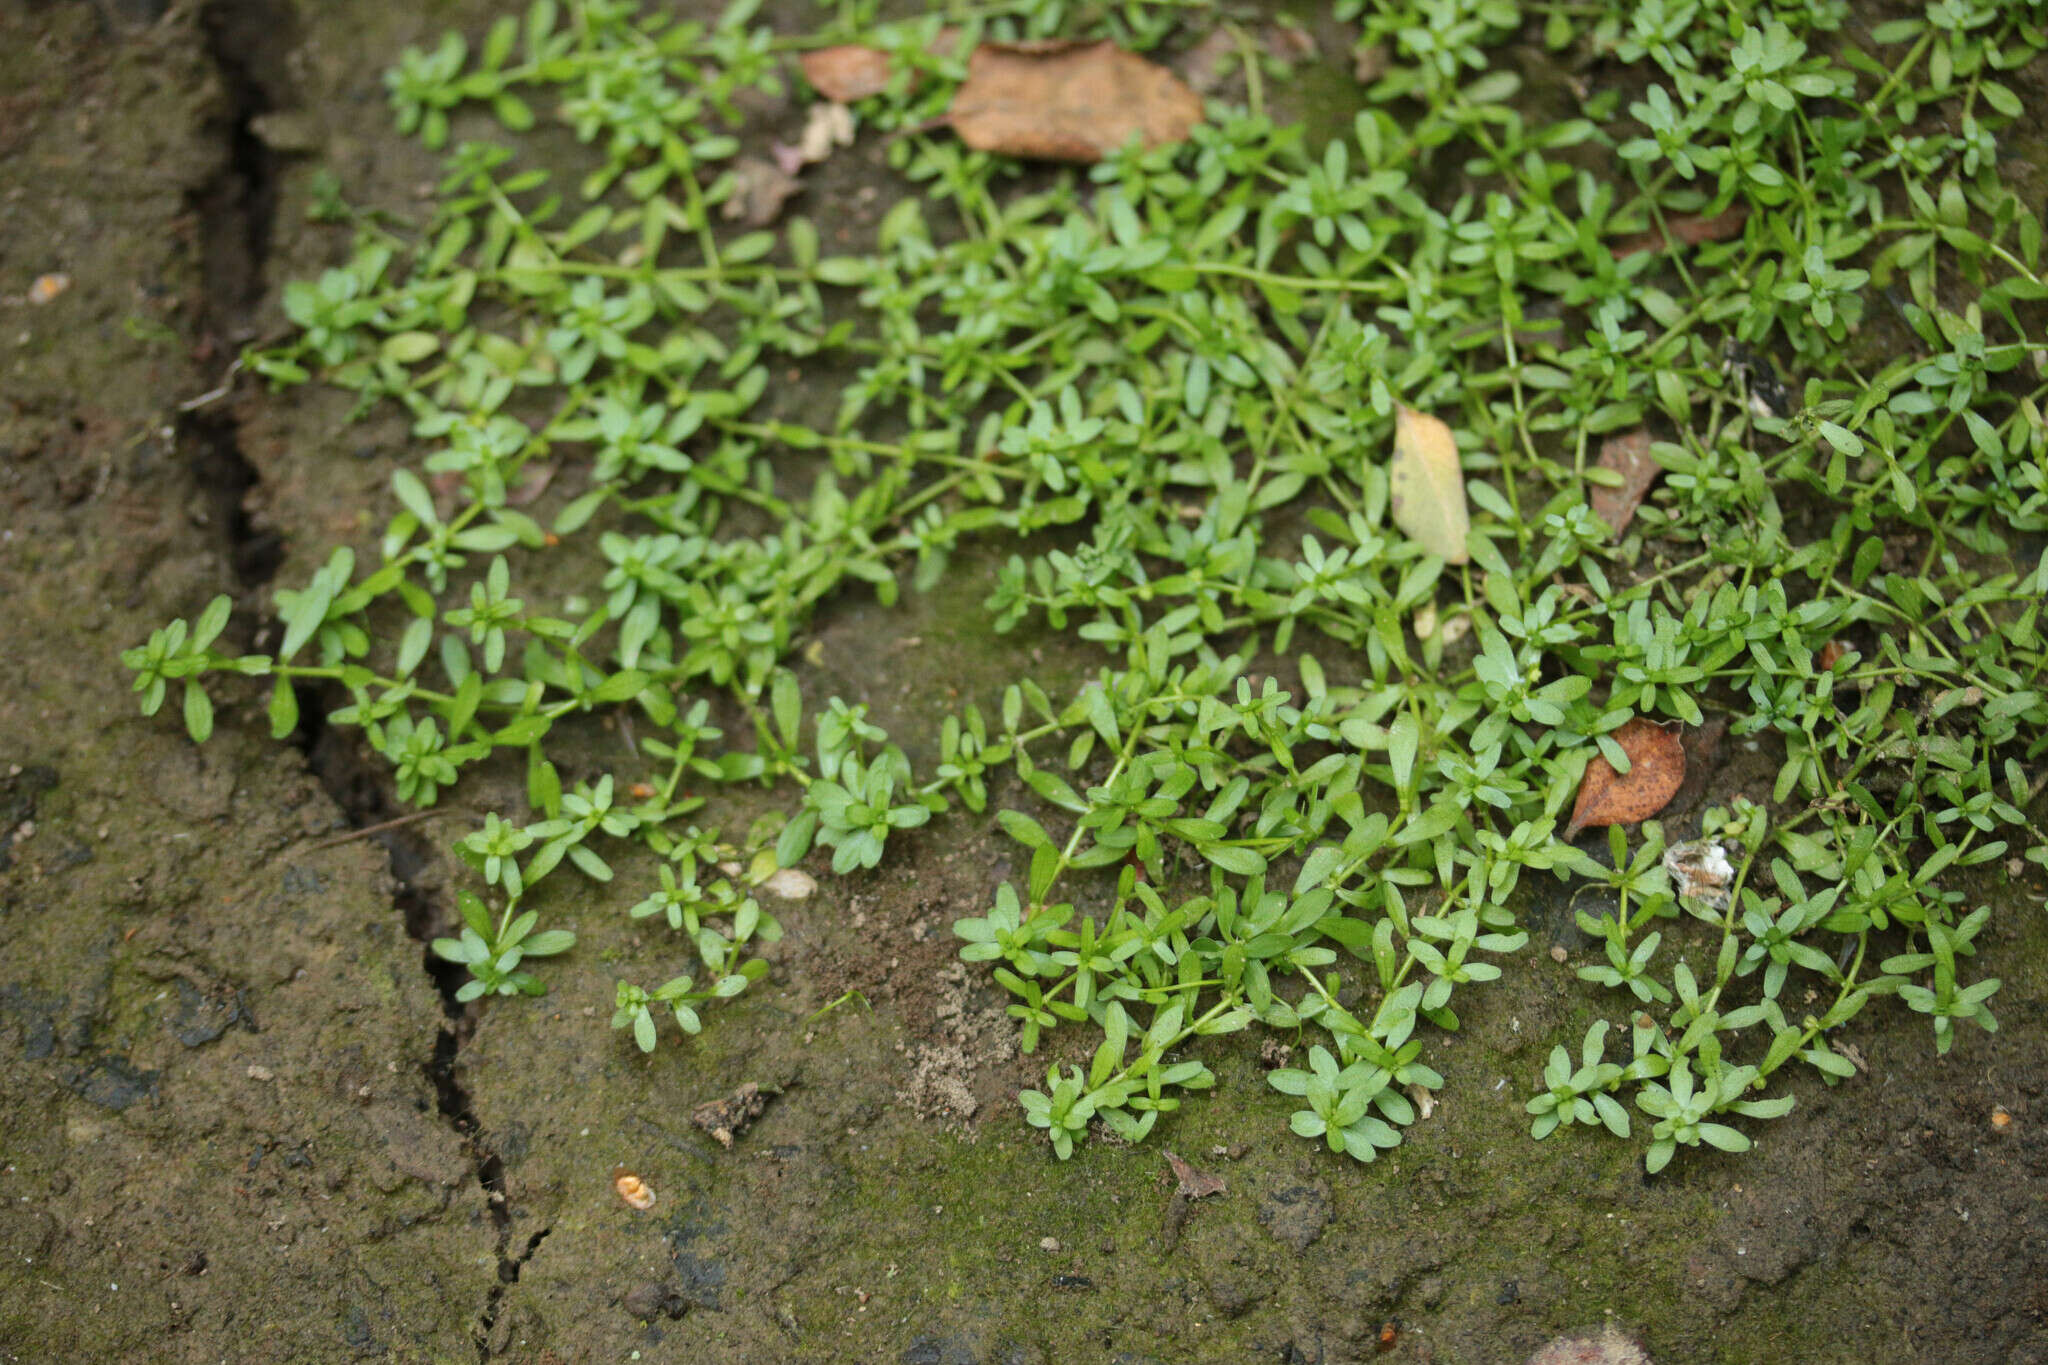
x=847, y=73
x=1629, y=456
x=1068, y=102
x=530, y=486
x=1685, y=229
x=1656, y=771
x=1193, y=1184
x=1428, y=485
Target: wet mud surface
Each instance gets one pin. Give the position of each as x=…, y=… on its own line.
x=244, y=1121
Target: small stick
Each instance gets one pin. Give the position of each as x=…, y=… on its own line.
x=367, y=830
x=227, y=382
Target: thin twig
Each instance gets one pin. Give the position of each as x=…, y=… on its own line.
x=220, y=390
x=367, y=830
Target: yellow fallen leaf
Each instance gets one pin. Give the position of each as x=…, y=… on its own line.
x=1428, y=485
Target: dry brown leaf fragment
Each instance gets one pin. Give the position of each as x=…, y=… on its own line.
x=1656, y=771
x=1629, y=456
x=1068, y=102
x=848, y=72
x=855, y=71
x=1428, y=485
x=531, y=485
x=1193, y=1184
x=1685, y=229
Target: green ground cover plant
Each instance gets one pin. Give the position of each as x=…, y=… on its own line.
x=1318, y=760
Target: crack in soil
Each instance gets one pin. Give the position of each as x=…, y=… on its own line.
x=248, y=41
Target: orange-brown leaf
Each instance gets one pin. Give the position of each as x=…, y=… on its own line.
x=1656, y=759
x=847, y=73
x=1068, y=102
x=1629, y=456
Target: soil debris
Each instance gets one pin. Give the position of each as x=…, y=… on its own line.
x=974, y=1037
x=655, y=1299
x=726, y=1119
x=760, y=189
x=1610, y=1346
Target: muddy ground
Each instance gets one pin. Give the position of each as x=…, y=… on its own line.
x=242, y=1122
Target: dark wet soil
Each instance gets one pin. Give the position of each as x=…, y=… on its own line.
x=243, y=1122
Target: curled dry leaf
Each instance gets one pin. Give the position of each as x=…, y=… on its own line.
x=1429, y=485
x=1068, y=102
x=1656, y=770
x=1629, y=456
x=1193, y=1184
